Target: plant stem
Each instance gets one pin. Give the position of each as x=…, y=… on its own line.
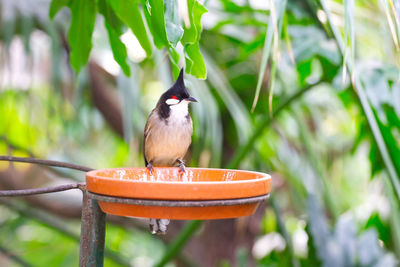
x=394, y=217
x=43, y=218
x=14, y=257
x=315, y=162
x=16, y=147
x=47, y=163
x=244, y=150
x=284, y=232
x=36, y=191
x=176, y=245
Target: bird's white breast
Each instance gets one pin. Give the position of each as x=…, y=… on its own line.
x=179, y=112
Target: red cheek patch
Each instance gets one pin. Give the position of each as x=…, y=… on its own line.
x=174, y=97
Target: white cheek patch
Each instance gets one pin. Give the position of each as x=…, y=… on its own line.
x=179, y=112
x=172, y=101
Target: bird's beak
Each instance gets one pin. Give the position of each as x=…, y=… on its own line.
x=191, y=99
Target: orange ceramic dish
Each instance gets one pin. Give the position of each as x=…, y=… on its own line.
x=168, y=184
x=179, y=213
x=196, y=184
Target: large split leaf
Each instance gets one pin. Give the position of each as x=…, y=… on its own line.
x=56, y=6
x=194, y=60
x=174, y=59
x=154, y=13
x=80, y=31
x=114, y=30
x=128, y=11
x=172, y=22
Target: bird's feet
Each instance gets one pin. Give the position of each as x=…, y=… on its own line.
x=150, y=168
x=159, y=226
x=181, y=166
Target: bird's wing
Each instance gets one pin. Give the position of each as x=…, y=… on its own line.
x=147, y=132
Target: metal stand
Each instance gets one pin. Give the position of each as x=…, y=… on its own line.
x=94, y=220
x=178, y=203
x=93, y=232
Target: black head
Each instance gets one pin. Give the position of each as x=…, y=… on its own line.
x=174, y=96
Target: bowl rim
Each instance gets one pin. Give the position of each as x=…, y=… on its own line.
x=91, y=174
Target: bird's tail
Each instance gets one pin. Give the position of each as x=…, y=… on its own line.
x=159, y=226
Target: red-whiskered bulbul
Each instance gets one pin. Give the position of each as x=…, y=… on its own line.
x=168, y=134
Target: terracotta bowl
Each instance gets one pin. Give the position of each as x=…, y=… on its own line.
x=167, y=184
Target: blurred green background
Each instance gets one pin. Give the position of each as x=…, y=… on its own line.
x=307, y=91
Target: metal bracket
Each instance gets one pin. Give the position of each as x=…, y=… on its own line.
x=93, y=232
x=94, y=220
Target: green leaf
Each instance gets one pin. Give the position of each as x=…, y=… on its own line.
x=27, y=27
x=381, y=226
x=382, y=97
x=174, y=59
x=154, y=13
x=194, y=60
x=348, y=36
x=304, y=70
x=370, y=253
x=233, y=102
x=195, y=11
x=80, y=31
x=128, y=11
x=114, y=30
x=172, y=22
x=118, y=48
x=394, y=216
x=8, y=29
x=155, y=19
x=264, y=60
x=57, y=5
x=394, y=30
x=273, y=31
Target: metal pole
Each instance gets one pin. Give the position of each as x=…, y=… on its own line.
x=93, y=232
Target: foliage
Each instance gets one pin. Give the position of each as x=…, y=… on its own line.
x=162, y=21
x=306, y=90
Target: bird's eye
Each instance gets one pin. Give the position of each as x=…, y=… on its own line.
x=174, y=97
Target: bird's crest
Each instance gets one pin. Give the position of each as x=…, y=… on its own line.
x=180, y=83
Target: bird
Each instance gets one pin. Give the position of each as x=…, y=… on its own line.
x=168, y=135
